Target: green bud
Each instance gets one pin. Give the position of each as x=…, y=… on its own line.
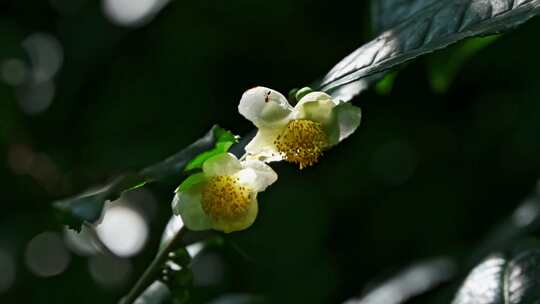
x=303, y=92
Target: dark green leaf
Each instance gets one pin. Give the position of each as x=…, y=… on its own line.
x=434, y=27
x=386, y=14
x=224, y=141
x=411, y=282
x=238, y=299
x=506, y=277
x=89, y=206
x=523, y=221
x=175, y=164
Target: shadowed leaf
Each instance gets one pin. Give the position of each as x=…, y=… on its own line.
x=224, y=141
x=413, y=281
x=386, y=14
x=511, y=276
x=525, y=220
x=89, y=206
x=434, y=27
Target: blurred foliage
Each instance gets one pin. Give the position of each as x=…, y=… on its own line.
x=426, y=175
x=88, y=207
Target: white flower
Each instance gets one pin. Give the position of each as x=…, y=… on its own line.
x=300, y=134
x=224, y=195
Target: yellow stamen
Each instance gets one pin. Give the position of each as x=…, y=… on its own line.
x=302, y=142
x=224, y=198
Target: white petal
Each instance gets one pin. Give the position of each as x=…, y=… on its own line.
x=257, y=175
x=262, y=146
x=265, y=107
x=222, y=164
x=316, y=106
x=188, y=206
x=348, y=118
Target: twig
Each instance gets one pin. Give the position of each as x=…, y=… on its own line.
x=154, y=269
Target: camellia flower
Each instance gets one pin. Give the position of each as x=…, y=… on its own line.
x=297, y=134
x=224, y=195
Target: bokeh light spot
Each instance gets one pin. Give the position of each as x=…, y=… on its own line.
x=20, y=158
x=13, y=71
x=123, y=230
x=46, y=255
x=81, y=243
x=36, y=97
x=132, y=12
x=46, y=54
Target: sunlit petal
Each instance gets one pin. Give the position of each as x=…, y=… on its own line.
x=188, y=206
x=257, y=175
x=263, y=146
x=265, y=107
x=222, y=164
x=348, y=118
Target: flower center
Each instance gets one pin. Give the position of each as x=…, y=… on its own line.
x=224, y=198
x=302, y=142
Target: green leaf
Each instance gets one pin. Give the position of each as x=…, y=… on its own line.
x=175, y=164
x=238, y=299
x=411, y=282
x=511, y=276
x=223, y=142
x=432, y=28
x=191, y=181
x=386, y=14
x=302, y=92
x=444, y=66
x=385, y=85
x=524, y=221
x=88, y=207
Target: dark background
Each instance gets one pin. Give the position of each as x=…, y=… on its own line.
x=427, y=174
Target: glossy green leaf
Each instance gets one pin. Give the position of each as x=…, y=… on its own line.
x=175, y=164
x=224, y=141
x=89, y=206
x=412, y=281
x=511, y=276
x=432, y=28
x=386, y=14
x=524, y=221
